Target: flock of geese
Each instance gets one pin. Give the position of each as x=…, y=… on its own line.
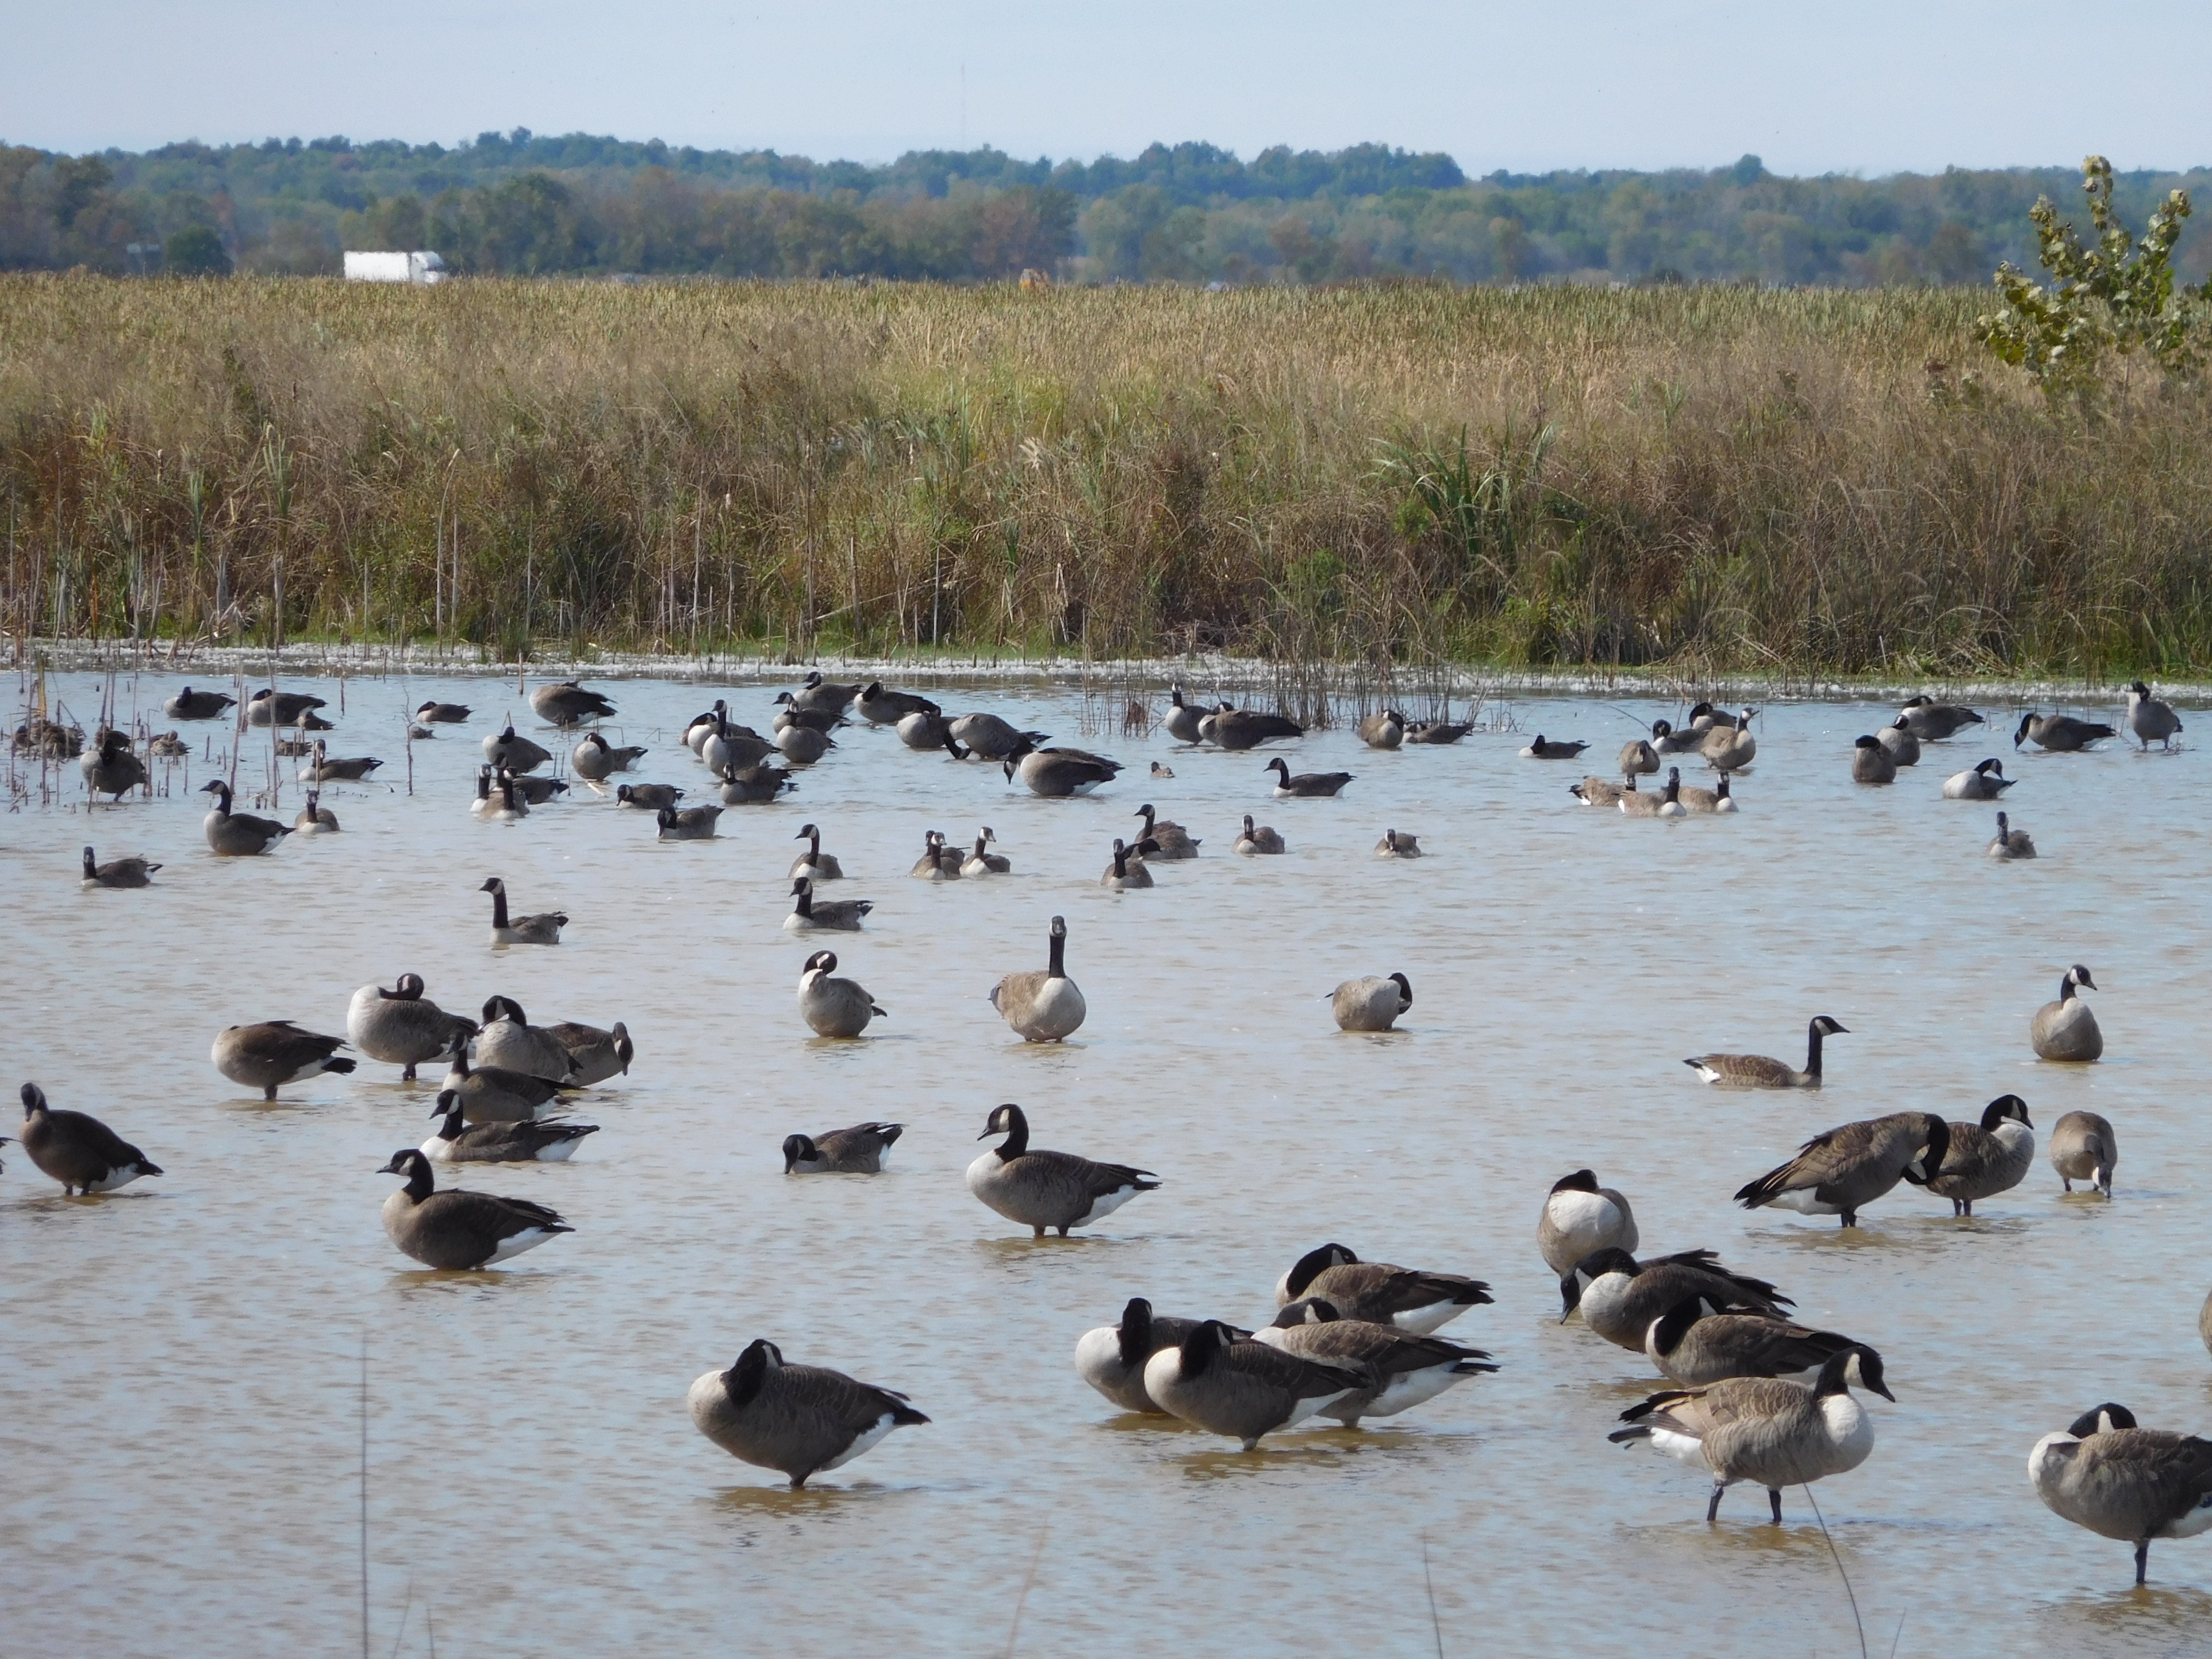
x=1753, y=1397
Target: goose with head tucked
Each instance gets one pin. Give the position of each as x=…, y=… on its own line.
x=1373, y=1004
x=1042, y=1006
x=1637, y=759
x=547, y=1140
x=401, y=1026
x=1041, y=1190
x=1396, y=846
x=1057, y=774
x=544, y=928
x=922, y=731
x=701, y=726
x=2066, y=1030
x=1984, y=1159
x=1695, y=1347
x=1128, y=873
x=1257, y=840
x=817, y=866
x=599, y=1054
x=802, y=746
x=1174, y=842
x=1214, y=1381
x=492, y=1094
x=1871, y=762
x=2124, y=1482
x=1932, y=721
x=1406, y=1369
x=879, y=706
x=117, y=872
x=834, y=1007
x=534, y=791
x=595, y=759
x=982, y=861
x=2059, y=734
x=687, y=822
x=2011, y=843
x=269, y=706
x=1246, y=728
x=1898, y=738
x=989, y=738
x=315, y=819
x=1842, y=1171
x=863, y=1149
x=1407, y=1298
x=110, y=769
x=1730, y=749
x=809, y=915
x=2084, y=1148
x=756, y=785
x=1305, y=785
x=1545, y=749
x=568, y=703
x=1385, y=729
x=268, y=1055
x=1985, y=782
x=191, y=705
x=237, y=834
x=1580, y=1219
x=1112, y=1358
x=511, y=752
x=77, y=1149
x=647, y=797
x=1763, y=1071
x=1438, y=732
x=458, y=1231
x=434, y=712
x=507, y=1041
x=2149, y=719
x=799, y=1420
x=823, y=695
x=1618, y=1297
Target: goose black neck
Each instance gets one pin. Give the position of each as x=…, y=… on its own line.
x=1121, y=859
x=420, y=1182
x=1136, y=1333
x=1057, y=969
x=499, y=907
x=91, y=870
x=1813, y=1049
x=803, y=900
x=1018, y=1137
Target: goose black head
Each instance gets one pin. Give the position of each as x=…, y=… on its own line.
x=498, y=1007
x=1277, y=765
x=217, y=787
x=796, y=1147
x=1581, y=1180
x=407, y=1161
x=1668, y=1330
x=1135, y=1331
x=2101, y=1419
x=1203, y=1346
x=1857, y=1363
x=492, y=885
x=2140, y=689
x=821, y=961
x=449, y=1104
x=2026, y=721
x=2080, y=976
x=807, y=832
x=2006, y=1108
x=1826, y=1026
x=1866, y=743
x=1922, y=1169
x=34, y=1100
x=1059, y=928
x=744, y=1379
x=1660, y=729
x=408, y=987
x=1313, y=1263
x=1991, y=769
x=1004, y=1120
x=1307, y=1310
x=1405, y=991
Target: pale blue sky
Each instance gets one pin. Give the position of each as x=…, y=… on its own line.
x=1875, y=87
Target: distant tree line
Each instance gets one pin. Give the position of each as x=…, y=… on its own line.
x=517, y=204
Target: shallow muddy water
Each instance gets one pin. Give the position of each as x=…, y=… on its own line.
x=180, y=1415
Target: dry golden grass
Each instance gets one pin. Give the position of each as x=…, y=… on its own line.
x=1723, y=476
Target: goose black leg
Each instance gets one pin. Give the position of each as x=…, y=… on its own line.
x=1713, y=1509
x=1774, y=1502
x=1851, y=1218
x=2142, y=1560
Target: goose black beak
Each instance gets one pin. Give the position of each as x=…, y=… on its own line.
x=391, y=1166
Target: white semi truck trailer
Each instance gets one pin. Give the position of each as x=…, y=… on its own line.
x=422, y=268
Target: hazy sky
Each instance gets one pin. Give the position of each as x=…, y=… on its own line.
x=1878, y=86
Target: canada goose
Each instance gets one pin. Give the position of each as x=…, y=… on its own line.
x=533, y=791
x=1666, y=740
x=1985, y=1160
x=515, y=754
x=756, y=785
x=299, y=742
x=595, y=759
x=1759, y=1072
x=566, y=702
x=1406, y=1297
x=1778, y=1433
x=1041, y=1190
x=1580, y=1219
x=507, y=1041
x=1248, y=728
x=117, y=872
x=834, y=1007
x=323, y=770
x=238, y=835
x=1618, y=1297
x=1373, y=1004
x=702, y=727
x=315, y=819
x=1406, y=1369
x=1257, y=839
x=861, y=1149
x=1243, y=1389
x=402, y=1027
x=1841, y=1171
x=268, y=707
x=1438, y=731
x=2066, y=1030
x=1694, y=1347
x=1128, y=873
x=989, y=737
x=1057, y=774
x=810, y=914
x=880, y=706
x=483, y=803
x=2149, y=717
x=729, y=748
x=275, y=1052
x=1183, y=723
x=441, y=713
x=1595, y=791
x=1716, y=800
x=1666, y=803
x=802, y=746
x=789, y=712
x=2059, y=733
x=553, y=1141
x=1174, y=842
x=649, y=797
x=78, y=1150
x=1986, y=781
x=599, y=1054
x=2123, y=1482
x=491, y=1094
x=167, y=745
x=1731, y=748
x=818, y=693
x=419, y=733
x=1932, y=721
x=1305, y=784
x=1898, y=738
x=1047, y=1007
x=191, y=705
x=1544, y=749
x=502, y=804
x=2011, y=843
x=1160, y=771
x=1705, y=718
x=1871, y=762
x=1112, y=1358
x=982, y=861
x=687, y=822
x=111, y=769
x=1637, y=759
x=1386, y=730
x=2084, y=1148
x=541, y=929
x=1395, y=846
x=814, y=863
x=799, y=1420
x=935, y=864
x=456, y=1231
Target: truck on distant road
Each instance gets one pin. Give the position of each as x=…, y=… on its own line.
x=421, y=268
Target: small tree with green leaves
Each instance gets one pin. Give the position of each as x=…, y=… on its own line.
x=2118, y=295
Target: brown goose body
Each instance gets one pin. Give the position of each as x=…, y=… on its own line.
x=1406, y=1369
x=458, y=1231
x=1112, y=1358
x=77, y=1149
x=1408, y=1299
x=1841, y=1171
x=861, y=1149
x=1763, y=1071
x=2084, y=1148
x=1981, y=1160
x=597, y=1055
x=117, y=872
x=456, y=1141
x=1041, y=1189
x=1243, y=1389
x=1043, y=1005
x=799, y=1420
x=2066, y=1030
x=2124, y=1482
x=275, y=1052
x=1618, y=1296
x=401, y=1026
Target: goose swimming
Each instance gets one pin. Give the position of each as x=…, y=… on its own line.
x=1041, y=1189
x=269, y=706
x=544, y=928
x=1257, y=840
x=687, y=822
x=1128, y=873
x=1871, y=762
x=863, y=1149
x=1174, y=842
x=1932, y=722
x=1731, y=750
x=814, y=863
x=595, y=759
x=1057, y=774
x=117, y=872
x=1042, y=1006
x=191, y=705
x=512, y=753
x=2066, y=1030
x=982, y=861
x=833, y=1007
x=1666, y=803
x=2011, y=843
x=1542, y=748
x=1384, y=730
x=315, y=819
x=810, y=914
x=1305, y=785
x=649, y=797
x=434, y=712
x=1985, y=781
x=799, y=1420
x=1395, y=846
x=1761, y=1072
x=238, y=835
x=1899, y=740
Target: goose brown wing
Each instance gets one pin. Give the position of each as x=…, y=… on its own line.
x=1381, y=1291
x=1390, y=1350
x=2175, y=1470
x=1705, y=1261
x=1745, y=1068
x=96, y=1138
x=1097, y=1180
x=853, y=1404
x=1298, y=1375
x=1698, y=1412
x=489, y=1216
x=1819, y=1160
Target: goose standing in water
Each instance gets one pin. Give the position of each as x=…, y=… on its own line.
x=1056, y=774
x=492, y=1094
x=1841, y=1171
x=1174, y=842
x=1981, y=1162
x=191, y=705
x=2059, y=733
x=507, y=1041
x=2066, y=1030
x=1243, y=1389
x=1618, y=1297
x=982, y=861
x=1371, y=1004
x=879, y=707
x=863, y=1149
x=566, y=702
x=1183, y=718
x=821, y=695
x=1775, y=1432
x=2149, y=717
x=550, y=1141
x=1899, y=740
x=275, y=1052
x=269, y=706
x=1407, y=1298
x=237, y=834
x=315, y=819
x=1395, y=846
x=1580, y=1219
x=512, y=753
x=1112, y=1358
x=111, y=769
x=2123, y=1482
x=1248, y=728
x=1985, y=781
x=1128, y=873
x=1695, y=1348
x=117, y=872
x=1871, y=762
x=1041, y=1189
x=1385, y=729
x=1731, y=748
x=1761, y=1072
x=1542, y=749
x=799, y=1420
x=2084, y=1148
x=810, y=914
x=1666, y=803
x=2011, y=843
x=1047, y=1007
x=456, y=1231
x=1257, y=840
x=1932, y=721
x=1305, y=785
x=544, y=928
x=77, y=1149
x=814, y=863
x=402, y=1027
x=1406, y=1369
x=989, y=738
x=834, y=1007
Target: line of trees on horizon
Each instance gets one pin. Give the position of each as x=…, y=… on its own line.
x=520, y=204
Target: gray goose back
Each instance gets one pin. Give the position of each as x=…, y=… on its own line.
x=1243, y=1389
x=799, y=1420
x=1409, y=1298
x=274, y=1052
x=1041, y=1189
x=77, y=1149
x=507, y=1041
x=455, y=1230
x=1842, y=1171
x=401, y=1026
x=456, y=1141
x=1405, y=1369
x=863, y=1149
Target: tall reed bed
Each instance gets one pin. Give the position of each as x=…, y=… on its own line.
x=1718, y=478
